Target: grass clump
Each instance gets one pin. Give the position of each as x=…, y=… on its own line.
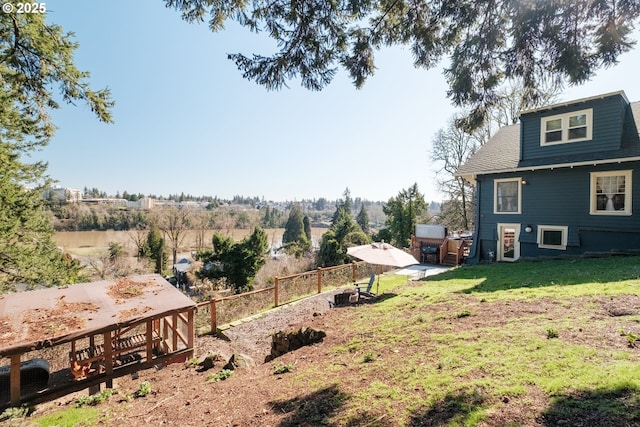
x=282, y=368
x=16, y=412
x=631, y=337
x=143, y=389
x=220, y=376
x=95, y=399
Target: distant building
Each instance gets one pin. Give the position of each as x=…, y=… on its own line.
x=111, y=201
x=63, y=194
x=145, y=203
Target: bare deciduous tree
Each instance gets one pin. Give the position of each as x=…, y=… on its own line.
x=138, y=237
x=451, y=148
x=174, y=224
x=201, y=222
x=110, y=263
x=511, y=101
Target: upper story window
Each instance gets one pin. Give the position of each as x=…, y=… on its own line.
x=507, y=195
x=611, y=193
x=568, y=127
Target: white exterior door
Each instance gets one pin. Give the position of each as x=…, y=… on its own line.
x=508, y=244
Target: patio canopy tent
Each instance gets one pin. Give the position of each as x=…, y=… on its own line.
x=107, y=328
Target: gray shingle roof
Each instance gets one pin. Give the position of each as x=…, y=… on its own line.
x=502, y=152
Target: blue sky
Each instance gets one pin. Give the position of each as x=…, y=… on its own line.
x=186, y=120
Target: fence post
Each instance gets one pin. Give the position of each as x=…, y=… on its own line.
x=214, y=320
x=354, y=270
x=275, y=291
x=319, y=274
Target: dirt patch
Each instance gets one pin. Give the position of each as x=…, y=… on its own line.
x=184, y=395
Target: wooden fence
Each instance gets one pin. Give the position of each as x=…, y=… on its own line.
x=225, y=310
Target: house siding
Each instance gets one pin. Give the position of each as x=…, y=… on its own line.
x=608, y=119
x=560, y=197
x=556, y=190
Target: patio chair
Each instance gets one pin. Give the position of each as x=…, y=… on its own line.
x=366, y=292
x=353, y=296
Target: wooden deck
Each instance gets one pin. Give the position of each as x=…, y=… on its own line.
x=107, y=329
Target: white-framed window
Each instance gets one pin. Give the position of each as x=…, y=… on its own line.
x=507, y=196
x=610, y=193
x=552, y=236
x=569, y=127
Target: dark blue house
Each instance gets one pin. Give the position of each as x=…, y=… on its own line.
x=561, y=182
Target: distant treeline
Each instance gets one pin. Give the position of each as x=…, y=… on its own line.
x=85, y=217
x=238, y=213
x=81, y=217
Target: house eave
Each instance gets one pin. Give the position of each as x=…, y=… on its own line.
x=574, y=102
x=473, y=176
x=469, y=177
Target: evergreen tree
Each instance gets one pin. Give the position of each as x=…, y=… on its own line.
x=252, y=252
x=155, y=249
x=363, y=219
x=486, y=43
x=35, y=57
x=320, y=204
x=237, y=262
x=343, y=233
x=331, y=251
x=402, y=212
x=345, y=204
x=294, y=239
x=294, y=228
x=306, y=222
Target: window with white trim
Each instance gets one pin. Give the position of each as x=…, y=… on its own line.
x=552, y=237
x=611, y=193
x=569, y=127
x=507, y=195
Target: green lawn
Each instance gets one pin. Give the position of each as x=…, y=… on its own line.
x=530, y=343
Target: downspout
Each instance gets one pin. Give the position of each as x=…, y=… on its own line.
x=474, y=254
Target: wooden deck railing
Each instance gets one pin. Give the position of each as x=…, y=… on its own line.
x=454, y=248
x=459, y=248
